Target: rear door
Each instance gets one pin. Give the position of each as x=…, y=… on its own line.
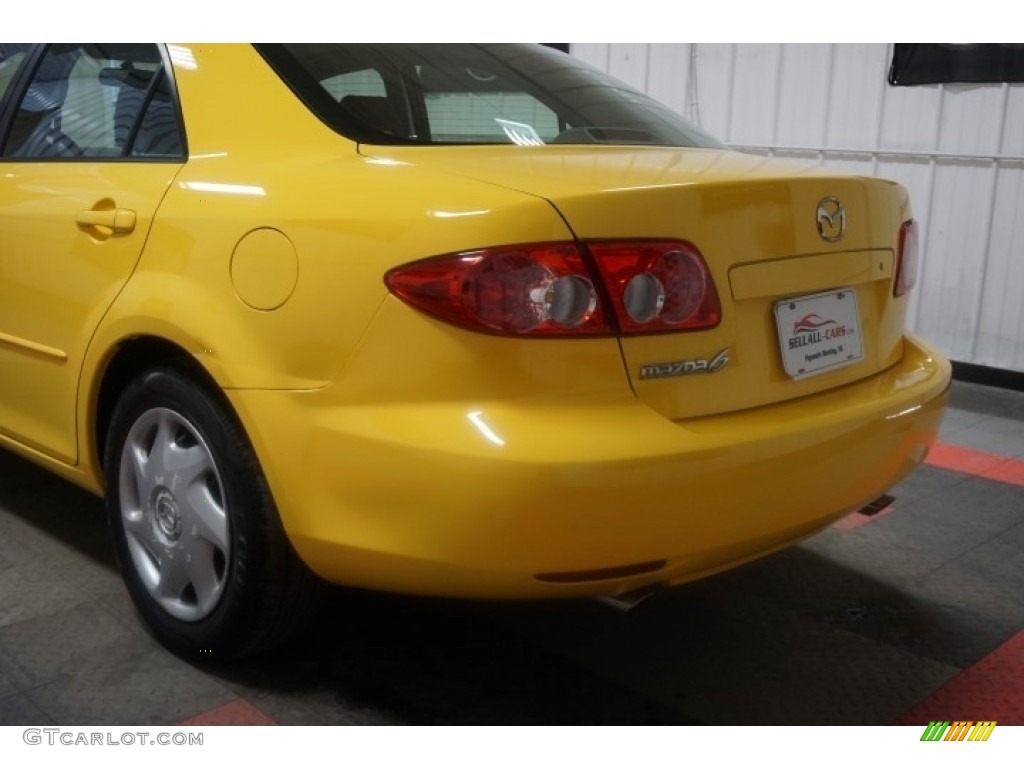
x=92, y=141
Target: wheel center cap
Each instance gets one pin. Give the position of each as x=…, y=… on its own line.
x=165, y=510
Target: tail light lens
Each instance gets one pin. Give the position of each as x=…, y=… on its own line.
x=547, y=289
x=657, y=286
x=541, y=289
x=906, y=259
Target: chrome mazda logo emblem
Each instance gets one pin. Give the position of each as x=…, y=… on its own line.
x=831, y=219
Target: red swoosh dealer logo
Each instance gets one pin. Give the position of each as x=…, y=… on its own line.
x=811, y=322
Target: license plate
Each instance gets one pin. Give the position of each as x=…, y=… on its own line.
x=819, y=333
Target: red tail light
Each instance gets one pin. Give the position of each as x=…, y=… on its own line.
x=657, y=286
x=541, y=289
x=547, y=289
x=906, y=259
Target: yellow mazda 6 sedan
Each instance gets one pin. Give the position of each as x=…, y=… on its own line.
x=463, y=320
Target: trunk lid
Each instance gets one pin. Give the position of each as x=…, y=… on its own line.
x=756, y=223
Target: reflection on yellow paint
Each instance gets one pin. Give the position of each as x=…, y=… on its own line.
x=224, y=189
x=478, y=421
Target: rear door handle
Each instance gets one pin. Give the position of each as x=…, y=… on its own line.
x=119, y=221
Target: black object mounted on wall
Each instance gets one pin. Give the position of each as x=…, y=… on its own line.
x=930, y=63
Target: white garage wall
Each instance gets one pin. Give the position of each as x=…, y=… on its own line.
x=958, y=149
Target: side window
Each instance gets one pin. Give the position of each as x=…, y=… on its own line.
x=11, y=55
x=96, y=101
x=159, y=133
x=362, y=95
x=365, y=82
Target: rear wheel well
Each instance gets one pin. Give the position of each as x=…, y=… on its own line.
x=195, y=529
x=132, y=358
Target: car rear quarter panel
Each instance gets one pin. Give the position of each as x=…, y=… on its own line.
x=260, y=162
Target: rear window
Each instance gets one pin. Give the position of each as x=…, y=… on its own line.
x=472, y=94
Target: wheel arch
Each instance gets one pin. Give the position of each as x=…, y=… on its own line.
x=126, y=360
x=213, y=342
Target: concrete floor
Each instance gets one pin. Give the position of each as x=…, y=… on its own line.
x=913, y=614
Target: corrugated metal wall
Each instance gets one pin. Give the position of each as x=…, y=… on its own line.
x=958, y=149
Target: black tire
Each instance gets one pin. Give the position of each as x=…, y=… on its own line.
x=195, y=530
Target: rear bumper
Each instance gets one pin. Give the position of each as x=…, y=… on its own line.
x=531, y=498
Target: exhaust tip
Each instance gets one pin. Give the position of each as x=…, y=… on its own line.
x=627, y=601
x=876, y=506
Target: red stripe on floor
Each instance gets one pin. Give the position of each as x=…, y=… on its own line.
x=978, y=463
x=1011, y=471
x=237, y=712
x=992, y=689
